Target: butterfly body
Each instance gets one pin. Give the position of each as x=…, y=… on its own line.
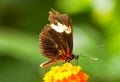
x=56, y=39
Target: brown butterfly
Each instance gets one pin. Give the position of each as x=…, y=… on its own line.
x=56, y=39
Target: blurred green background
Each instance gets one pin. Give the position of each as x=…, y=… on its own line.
x=95, y=22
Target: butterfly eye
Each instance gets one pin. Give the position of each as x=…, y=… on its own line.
x=76, y=57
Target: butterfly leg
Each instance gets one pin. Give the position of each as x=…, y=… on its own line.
x=48, y=63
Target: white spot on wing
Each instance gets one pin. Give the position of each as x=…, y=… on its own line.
x=61, y=28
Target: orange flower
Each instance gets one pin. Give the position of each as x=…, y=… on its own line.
x=65, y=73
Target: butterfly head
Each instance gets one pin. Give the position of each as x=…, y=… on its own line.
x=75, y=57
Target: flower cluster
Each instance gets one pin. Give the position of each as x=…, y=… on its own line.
x=65, y=73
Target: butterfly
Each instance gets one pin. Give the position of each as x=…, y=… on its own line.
x=56, y=39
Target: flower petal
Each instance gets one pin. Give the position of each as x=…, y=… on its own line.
x=66, y=73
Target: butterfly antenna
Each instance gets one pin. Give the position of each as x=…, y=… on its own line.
x=94, y=49
x=92, y=58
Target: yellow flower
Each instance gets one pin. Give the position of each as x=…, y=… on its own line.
x=65, y=73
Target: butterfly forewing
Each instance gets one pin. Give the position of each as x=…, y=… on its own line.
x=56, y=40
